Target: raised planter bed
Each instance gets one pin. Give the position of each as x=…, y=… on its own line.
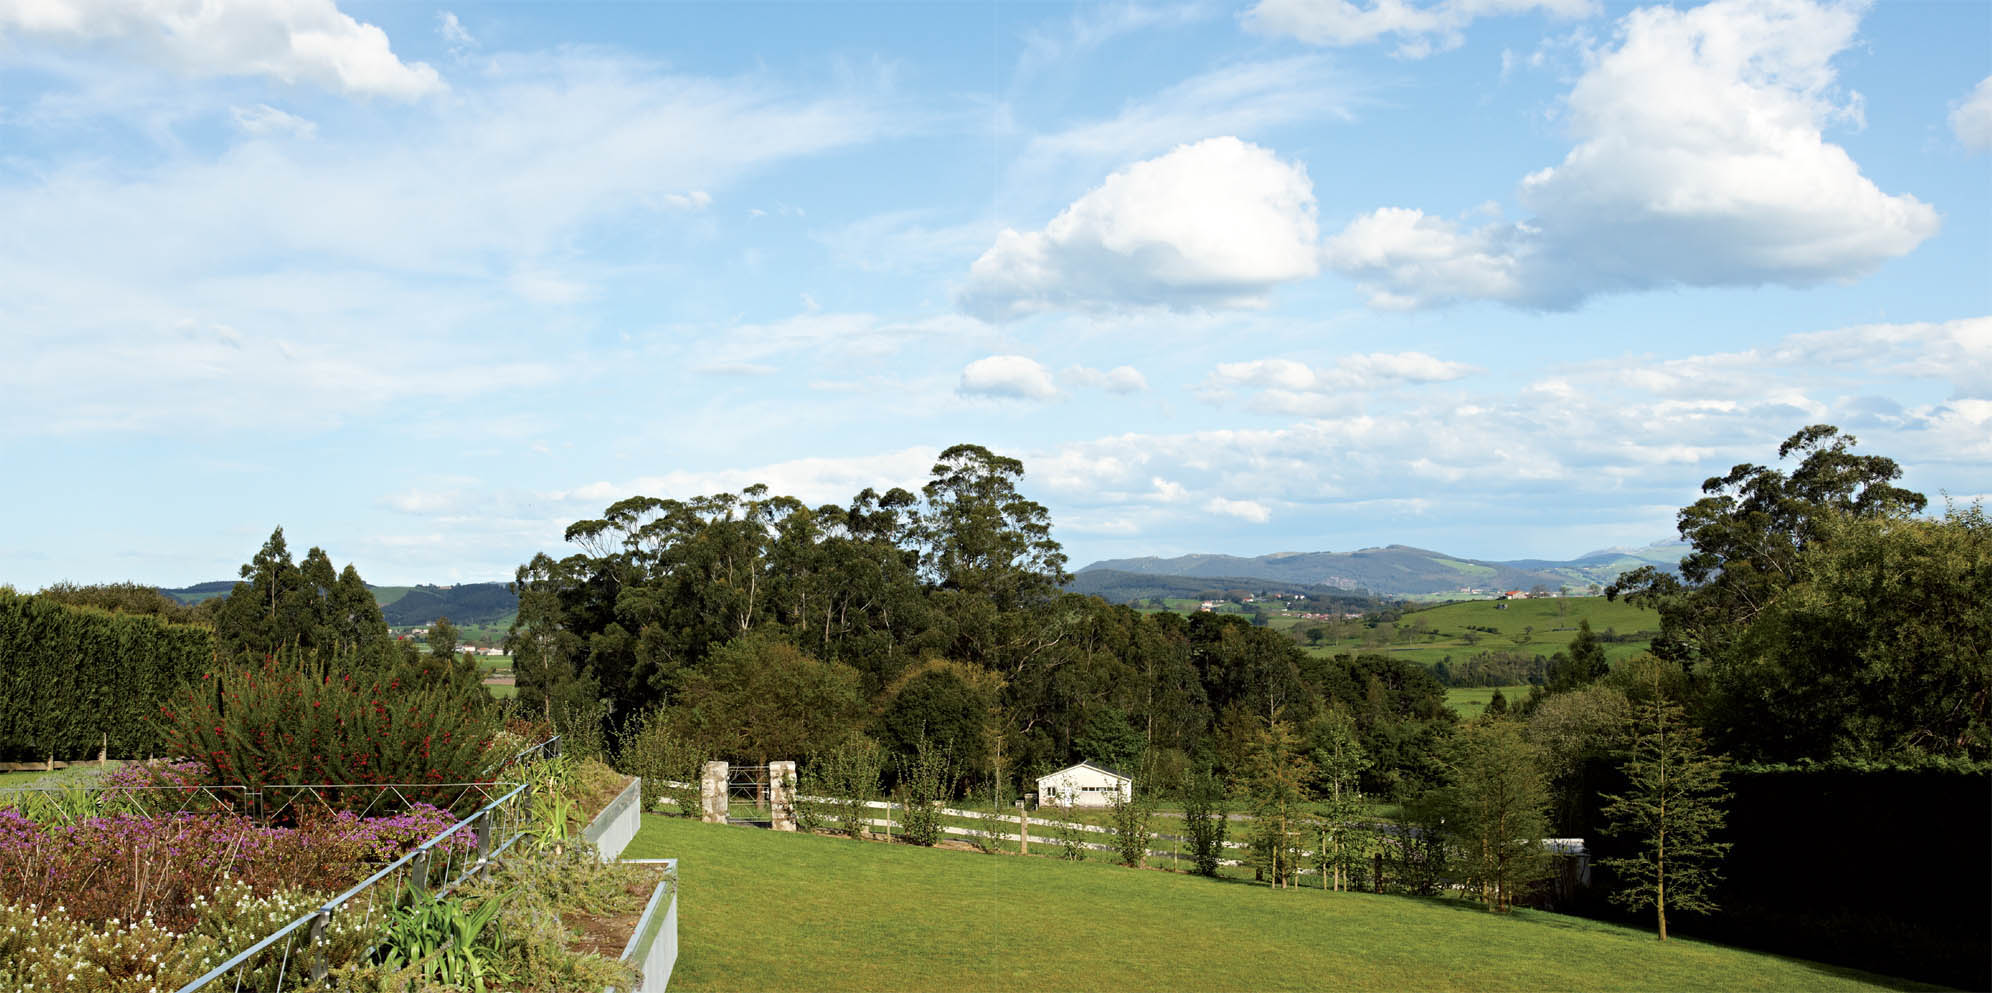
x=611, y=830
x=653, y=946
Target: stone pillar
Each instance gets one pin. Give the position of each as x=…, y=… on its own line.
x=781, y=795
x=712, y=793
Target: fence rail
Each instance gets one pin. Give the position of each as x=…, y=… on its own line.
x=417, y=872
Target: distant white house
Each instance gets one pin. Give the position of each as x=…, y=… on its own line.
x=1083, y=785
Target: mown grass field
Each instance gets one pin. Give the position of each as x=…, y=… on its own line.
x=766, y=911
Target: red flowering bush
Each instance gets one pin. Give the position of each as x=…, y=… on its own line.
x=300, y=721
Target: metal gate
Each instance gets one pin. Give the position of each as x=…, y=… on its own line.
x=747, y=794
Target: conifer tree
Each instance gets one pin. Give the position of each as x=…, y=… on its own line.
x=1674, y=804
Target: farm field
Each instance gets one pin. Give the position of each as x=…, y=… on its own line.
x=1469, y=701
x=765, y=911
x=1534, y=627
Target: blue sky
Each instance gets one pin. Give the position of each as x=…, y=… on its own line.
x=1507, y=278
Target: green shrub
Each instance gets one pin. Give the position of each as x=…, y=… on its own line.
x=76, y=679
x=923, y=791
x=648, y=749
x=306, y=719
x=1127, y=826
x=1204, y=817
x=849, y=777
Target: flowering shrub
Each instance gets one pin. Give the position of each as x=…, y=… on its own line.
x=125, y=867
x=291, y=721
x=183, y=774
x=50, y=947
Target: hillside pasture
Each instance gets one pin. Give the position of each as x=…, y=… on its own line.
x=1460, y=630
x=760, y=910
x=1470, y=701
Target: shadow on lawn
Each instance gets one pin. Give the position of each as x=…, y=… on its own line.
x=1571, y=922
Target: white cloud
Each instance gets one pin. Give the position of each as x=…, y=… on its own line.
x=1420, y=29
x=294, y=41
x=1119, y=379
x=1244, y=510
x=263, y=119
x=1971, y=119
x=1351, y=372
x=1243, y=99
x=1015, y=376
x=1217, y=223
x=1097, y=24
x=454, y=33
x=813, y=480
x=695, y=200
x=378, y=257
x=1701, y=160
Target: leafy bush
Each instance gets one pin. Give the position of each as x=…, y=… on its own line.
x=1127, y=826
x=1067, y=834
x=649, y=749
x=450, y=942
x=1205, y=817
x=297, y=721
x=923, y=790
x=849, y=777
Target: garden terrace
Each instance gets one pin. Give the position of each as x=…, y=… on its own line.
x=134, y=883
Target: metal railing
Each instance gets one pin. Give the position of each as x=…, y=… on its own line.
x=296, y=952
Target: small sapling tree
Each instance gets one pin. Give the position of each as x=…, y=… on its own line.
x=1499, y=810
x=924, y=788
x=1339, y=756
x=1673, y=804
x=1204, y=817
x=1128, y=815
x=1277, y=777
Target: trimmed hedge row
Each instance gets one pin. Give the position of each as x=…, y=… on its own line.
x=1877, y=868
x=75, y=678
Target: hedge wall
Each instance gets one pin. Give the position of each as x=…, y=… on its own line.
x=70, y=676
x=1884, y=869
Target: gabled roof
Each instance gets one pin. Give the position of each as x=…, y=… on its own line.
x=1095, y=766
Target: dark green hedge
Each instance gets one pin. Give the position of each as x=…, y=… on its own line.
x=1875, y=867
x=70, y=676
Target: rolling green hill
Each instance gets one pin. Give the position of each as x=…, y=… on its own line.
x=761, y=910
x=482, y=605
x=1458, y=631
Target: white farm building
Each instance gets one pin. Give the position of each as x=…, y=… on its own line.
x=1083, y=785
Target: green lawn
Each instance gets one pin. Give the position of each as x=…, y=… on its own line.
x=766, y=911
x=84, y=772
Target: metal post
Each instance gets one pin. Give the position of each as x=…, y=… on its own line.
x=418, y=874
x=483, y=827
x=315, y=944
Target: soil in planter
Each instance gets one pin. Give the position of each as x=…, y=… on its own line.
x=609, y=933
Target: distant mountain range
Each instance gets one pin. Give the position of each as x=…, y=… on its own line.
x=1351, y=579
x=408, y=606
x=1115, y=586
x=1391, y=571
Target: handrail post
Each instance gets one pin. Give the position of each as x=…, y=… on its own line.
x=418, y=874
x=315, y=944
